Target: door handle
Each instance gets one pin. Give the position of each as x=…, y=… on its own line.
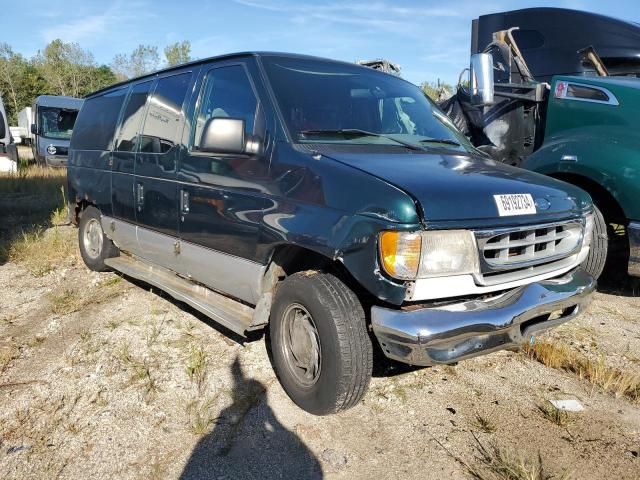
x=184, y=201
x=139, y=196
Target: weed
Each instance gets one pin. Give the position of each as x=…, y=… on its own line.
x=484, y=424
x=597, y=372
x=201, y=416
x=553, y=414
x=197, y=366
x=113, y=324
x=8, y=355
x=65, y=301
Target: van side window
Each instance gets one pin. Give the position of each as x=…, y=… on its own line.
x=96, y=123
x=164, y=114
x=227, y=93
x=132, y=117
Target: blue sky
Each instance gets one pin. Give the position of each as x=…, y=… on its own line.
x=428, y=39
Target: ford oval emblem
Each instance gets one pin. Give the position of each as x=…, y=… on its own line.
x=542, y=204
x=51, y=150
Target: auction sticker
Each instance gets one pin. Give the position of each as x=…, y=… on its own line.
x=515, y=204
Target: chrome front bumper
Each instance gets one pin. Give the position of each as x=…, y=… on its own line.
x=633, y=231
x=441, y=335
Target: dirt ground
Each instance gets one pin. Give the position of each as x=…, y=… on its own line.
x=103, y=377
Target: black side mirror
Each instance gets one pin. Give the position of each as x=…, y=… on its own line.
x=223, y=135
x=34, y=129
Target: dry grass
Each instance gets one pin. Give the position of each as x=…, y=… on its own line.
x=66, y=300
x=41, y=251
x=139, y=372
x=597, y=372
x=554, y=415
x=484, y=424
x=497, y=463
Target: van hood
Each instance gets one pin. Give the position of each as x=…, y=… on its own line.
x=455, y=188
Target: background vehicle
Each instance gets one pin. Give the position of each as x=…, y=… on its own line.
x=323, y=201
x=580, y=128
x=25, y=120
x=53, y=120
x=8, y=150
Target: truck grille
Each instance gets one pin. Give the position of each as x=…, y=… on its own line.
x=526, y=246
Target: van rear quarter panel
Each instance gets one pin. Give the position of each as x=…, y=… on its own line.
x=89, y=178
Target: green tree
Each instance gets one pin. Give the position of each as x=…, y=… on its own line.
x=65, y=67
x=177, y=53
x=144, y=59
x=437, y=90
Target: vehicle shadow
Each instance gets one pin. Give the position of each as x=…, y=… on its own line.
x=249, y=442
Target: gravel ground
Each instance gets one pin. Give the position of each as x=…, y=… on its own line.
x=103, y=377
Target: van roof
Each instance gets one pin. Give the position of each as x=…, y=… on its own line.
x=58, y=101
x=217, y=58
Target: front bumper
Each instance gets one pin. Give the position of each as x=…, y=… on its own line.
x=633, y=231
x=441, y=335
x=56, y=160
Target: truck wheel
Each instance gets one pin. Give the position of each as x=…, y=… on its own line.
x=322, y=353
x=95, y=247
x=595, y=261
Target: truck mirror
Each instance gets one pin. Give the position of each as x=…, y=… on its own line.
x=34, y=129
x=481, y=79
x=223, y=135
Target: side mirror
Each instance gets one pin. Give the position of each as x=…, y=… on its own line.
x=481, y=79
x=223, y=135
x=34, y=129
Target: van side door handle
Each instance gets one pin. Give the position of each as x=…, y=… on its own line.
x=184, y=201
x=139, y=196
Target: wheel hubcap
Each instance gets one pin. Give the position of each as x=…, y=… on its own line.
x=93, y=238
x=301, y=344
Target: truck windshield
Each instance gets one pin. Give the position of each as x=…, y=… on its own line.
x=331, y=102
x=56, y=122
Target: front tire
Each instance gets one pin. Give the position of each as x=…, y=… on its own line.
x=95, y=246
x=322, y=353
x=597, y=258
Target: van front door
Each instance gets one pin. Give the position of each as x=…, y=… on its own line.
x=221, y=196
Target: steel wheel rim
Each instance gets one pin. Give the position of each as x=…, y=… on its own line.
x=93, y=238
x=301, y=345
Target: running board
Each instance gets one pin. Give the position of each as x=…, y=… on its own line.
x=234, y=315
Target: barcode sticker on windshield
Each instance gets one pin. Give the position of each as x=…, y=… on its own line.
x=515, y=204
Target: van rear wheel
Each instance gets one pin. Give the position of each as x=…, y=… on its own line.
x=322, y=353
x=95, y=246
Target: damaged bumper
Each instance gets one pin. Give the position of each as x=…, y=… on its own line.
x=447, y=334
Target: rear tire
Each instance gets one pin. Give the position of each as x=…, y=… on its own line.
x=95, y=247
x=597, y=258
x=322, y=353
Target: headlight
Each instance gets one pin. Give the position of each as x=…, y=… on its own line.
x=411, y=255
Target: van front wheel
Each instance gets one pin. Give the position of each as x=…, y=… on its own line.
x=322, y=353
x=95, y=246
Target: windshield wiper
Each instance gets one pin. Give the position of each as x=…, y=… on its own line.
x=440, y=140
x=356, y=132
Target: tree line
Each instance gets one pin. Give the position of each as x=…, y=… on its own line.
x=63, y=68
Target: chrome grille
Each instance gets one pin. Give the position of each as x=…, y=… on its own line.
x=515, y=248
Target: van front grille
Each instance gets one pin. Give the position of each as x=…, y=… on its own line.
x=526, y=246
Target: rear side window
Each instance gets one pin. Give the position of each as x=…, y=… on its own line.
x=132, y=117
x=164, y=114
x=227, y=93
x=96, y=123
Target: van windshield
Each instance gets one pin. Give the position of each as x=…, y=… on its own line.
x=331, y=102
x=56, y=122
